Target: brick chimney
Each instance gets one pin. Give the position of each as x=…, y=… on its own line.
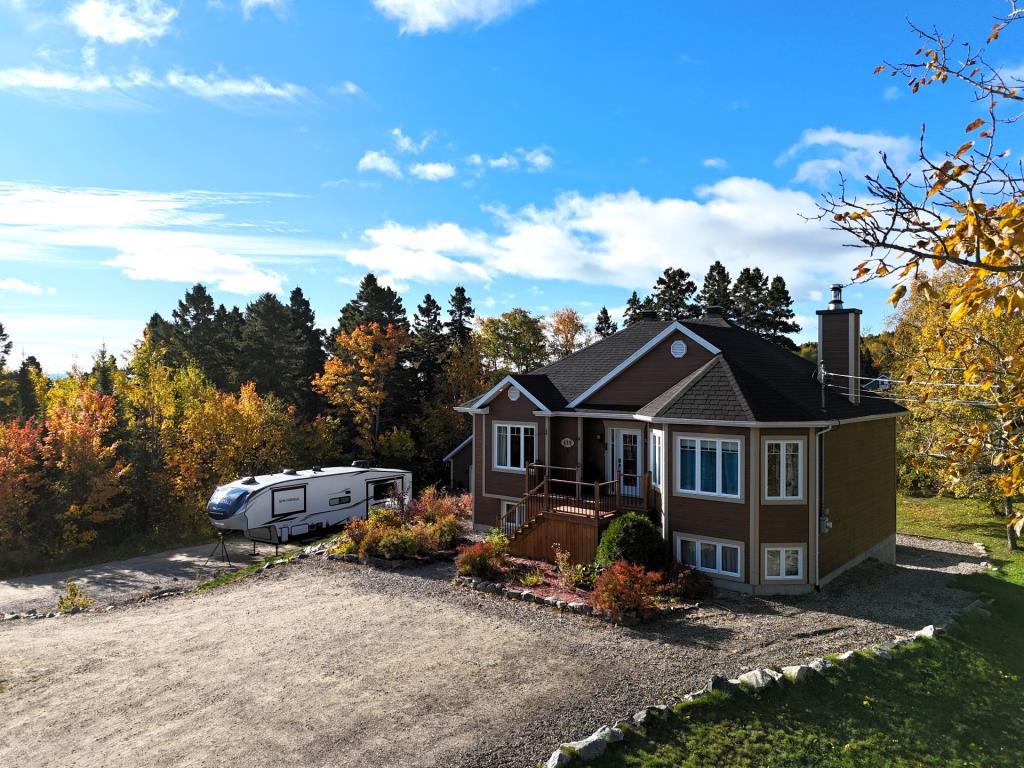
x=839, y=345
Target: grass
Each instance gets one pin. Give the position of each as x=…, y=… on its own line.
x=957, y=700
x=230, y=577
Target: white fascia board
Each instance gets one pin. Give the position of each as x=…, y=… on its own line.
x=458, y=448
x=669, y=330
x=472, y=410
x=500, y=386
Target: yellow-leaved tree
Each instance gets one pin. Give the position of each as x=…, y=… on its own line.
x=357, y=379
x=953, y=228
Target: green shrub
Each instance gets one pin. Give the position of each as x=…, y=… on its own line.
x=625, y=587
x=482, y=560
x=569, y=575
x=532, y=578
x=398, y=543
x=74, y=598
x=447, y=530
x=497, y=539
x=632, y=538
x=385, y=517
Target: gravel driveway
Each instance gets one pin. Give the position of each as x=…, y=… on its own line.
x=327, y=664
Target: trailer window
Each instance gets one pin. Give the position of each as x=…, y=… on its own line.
x=337, y=501
x=384, y=491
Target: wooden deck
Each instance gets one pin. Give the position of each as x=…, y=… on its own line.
x=558, y=508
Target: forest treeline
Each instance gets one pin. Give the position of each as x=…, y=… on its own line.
x=126, y=452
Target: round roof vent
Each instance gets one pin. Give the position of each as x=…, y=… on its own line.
x=678, y=348
x=513, y=394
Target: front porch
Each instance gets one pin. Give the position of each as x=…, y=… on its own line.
x=559, y=507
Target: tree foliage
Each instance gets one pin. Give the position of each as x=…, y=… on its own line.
x=604, y=326
x=513, y=342
x=568, y=333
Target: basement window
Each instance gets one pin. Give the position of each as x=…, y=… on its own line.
x=709, y=555
x=783, y=562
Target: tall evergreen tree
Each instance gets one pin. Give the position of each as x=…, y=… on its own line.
x=29, y=374
x=782, y=319
x=373, y=303
x=460, y=314
x=716, y=291
x=673, y=294
x=635, y=307
x=312, y=353
x=605, y=326
x=750, y=301
x=206, y=335
x=429, y=345
x=272, y=350
x=5, y=348
x=104, y=367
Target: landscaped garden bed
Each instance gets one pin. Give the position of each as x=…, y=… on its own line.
x=627, y=583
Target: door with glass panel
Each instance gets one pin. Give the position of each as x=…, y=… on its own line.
x=624, y=456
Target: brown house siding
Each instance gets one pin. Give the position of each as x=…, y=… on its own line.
x=650, y=376
x=859, y=490
x=708, y=516
x=564, y=427
x=787, y=522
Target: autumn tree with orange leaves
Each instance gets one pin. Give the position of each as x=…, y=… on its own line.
x=960, y=215
x=356, y=381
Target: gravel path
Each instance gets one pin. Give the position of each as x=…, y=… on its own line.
x=124, y=580
x=326, y=664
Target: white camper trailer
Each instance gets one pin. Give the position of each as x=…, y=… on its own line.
x=294, y=503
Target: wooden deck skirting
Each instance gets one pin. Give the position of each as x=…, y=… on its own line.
x=558, y=508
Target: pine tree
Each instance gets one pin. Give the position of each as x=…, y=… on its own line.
x=635, y=307
x=5, y=348
x=205, y=335
x=461, y=314
x=104, y=367
x=716, y=290
x=29, y=380
x=782, y=320
x=605, y=326
x=272, y=350
x=373, y=303
x=750, y=301
x=673, y=294
x=312, y=353
x=428, y=346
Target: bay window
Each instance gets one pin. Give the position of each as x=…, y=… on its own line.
x=708, y=466
x=514, y=445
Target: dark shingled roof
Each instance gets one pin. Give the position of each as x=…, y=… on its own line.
x=751, y=379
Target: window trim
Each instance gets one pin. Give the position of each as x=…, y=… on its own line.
x=781, y=549
x=801, y=496
x=719, y=543
x=494, y=445
x=677, y=465
x=656, y=457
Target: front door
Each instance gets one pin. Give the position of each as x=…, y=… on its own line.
x=624, y=455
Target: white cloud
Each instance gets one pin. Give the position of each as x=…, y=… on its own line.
x=419, y=17
x=714, y=162
x=14, y=285
x=504, y=162
x=279, y=7
x=538, y=159
x=61, y=341
x=406, y=145
x=122, y=21
x=859, y=154
x=380, y=162
x=211, y=87
x=892, y=93
x=348, y=88
x=432, y=171
x=180, y=237
x=624, y=239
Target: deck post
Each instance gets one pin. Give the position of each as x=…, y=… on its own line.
x=597, y=499
x=647, y=490
x=547, y=494
x=618, y=491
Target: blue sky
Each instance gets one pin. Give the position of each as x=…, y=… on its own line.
x=544, y=153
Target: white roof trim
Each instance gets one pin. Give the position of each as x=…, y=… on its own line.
x=500, y=386
x=458, y=448
x=669, y=330
x=712, y=423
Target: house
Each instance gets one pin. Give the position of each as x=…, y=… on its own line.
x=756, y=472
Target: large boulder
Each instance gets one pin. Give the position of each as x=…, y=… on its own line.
x=758, y=679
x=799, y=673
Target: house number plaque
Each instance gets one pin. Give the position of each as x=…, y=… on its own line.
x=568, y=442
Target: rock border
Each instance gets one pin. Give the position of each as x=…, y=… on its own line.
x=629, y=619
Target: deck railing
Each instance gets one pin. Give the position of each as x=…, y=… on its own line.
x=559, y=489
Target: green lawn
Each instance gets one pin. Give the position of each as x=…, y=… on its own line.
x=955, y=701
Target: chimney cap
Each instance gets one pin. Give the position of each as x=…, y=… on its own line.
x=648, y=315
x=715, y=311
x=837, y=297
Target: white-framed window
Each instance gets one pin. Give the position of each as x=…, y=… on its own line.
x=710, y=466
x=710, y=555
x=783, y=469
x=515, y=445
x=657, y=441
x=513, y=513
x=784, y=562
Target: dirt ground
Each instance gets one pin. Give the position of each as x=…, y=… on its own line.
x=327, y=664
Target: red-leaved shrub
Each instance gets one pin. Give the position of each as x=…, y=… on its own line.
x=625, y=587
x=482, y=559
x=686, y=583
